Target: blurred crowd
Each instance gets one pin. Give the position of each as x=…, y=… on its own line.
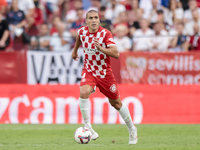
x=137, y=25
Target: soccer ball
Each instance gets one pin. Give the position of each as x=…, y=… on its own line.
x=82, y=135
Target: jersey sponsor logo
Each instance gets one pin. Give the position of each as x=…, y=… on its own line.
x=113, y=88
x=90, y=50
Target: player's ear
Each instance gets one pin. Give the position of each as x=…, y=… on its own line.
x=86, y=21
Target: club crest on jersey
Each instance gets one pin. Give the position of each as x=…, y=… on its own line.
x=83, y=80
x=113, y=88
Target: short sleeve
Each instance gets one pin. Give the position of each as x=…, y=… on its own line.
x=109, y=41
x=80, y=30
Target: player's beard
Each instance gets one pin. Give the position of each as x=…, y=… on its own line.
x=95, y=27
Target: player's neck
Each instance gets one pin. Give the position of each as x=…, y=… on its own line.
x=93, y=31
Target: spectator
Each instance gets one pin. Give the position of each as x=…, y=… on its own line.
x=39, y=13
x=72, y=14
x=16, y=19
x=188, y=13
x=123, y=42
x=184, y=4
x=87, y=3
x=27, y=6
x=60, y=41
x=195, y=39
x=41, y=41
x=160, y=40
x=122, y=19
x=181, y=41
x=161, y=19
x=127, y=4
x=142, y=37
x=65, y=7
x=95, y=4
x=152, y=15
x=196, y=20
x=8, y=5
x=165, y=3
x=53, y=6
x=132, y=14
x=173, y=13
x=173, y=30
x=105, y=23
x=3, y=6
x=114, y=9
x=136, y=24
x=9, y=1
x=78, y=23
x=4, y=33
x=147, y=6
x=56, y=20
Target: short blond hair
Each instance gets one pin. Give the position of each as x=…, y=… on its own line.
x=90, y=11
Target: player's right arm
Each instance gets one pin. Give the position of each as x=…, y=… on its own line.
x=77, y=45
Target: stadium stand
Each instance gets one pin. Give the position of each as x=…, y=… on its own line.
x=168, y=14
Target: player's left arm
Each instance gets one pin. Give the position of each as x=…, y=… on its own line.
x=110, y=51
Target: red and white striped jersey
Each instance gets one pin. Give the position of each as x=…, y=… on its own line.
x=95, y=61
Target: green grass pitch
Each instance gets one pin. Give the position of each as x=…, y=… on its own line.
x=112, y=137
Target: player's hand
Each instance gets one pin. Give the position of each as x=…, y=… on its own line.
x=2, y=44
x=96, y=43
x=75, y=55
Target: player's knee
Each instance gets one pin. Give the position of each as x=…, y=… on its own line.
x=84, y=93
x=116, y=105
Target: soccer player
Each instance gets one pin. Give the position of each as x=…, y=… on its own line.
x=98, y=45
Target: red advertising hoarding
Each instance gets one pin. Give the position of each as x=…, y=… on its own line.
x=13, y=67
x=142, y=68
x=160, y=68
x=58, y=104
